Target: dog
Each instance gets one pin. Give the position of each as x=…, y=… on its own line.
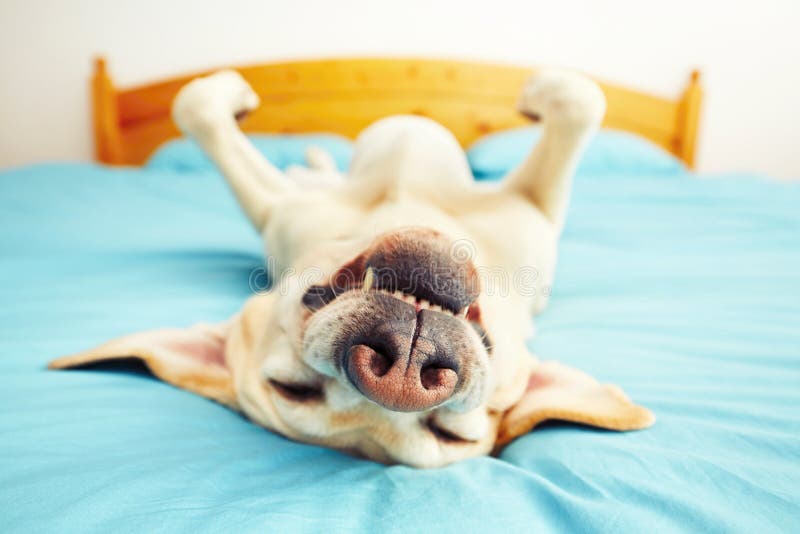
x=387, y=334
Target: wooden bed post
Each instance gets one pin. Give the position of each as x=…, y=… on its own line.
x=107, y=140
x=689, y=119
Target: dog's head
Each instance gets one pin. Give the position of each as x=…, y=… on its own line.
x=387, y=355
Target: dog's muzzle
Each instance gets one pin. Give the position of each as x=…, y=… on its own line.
x=404, y=344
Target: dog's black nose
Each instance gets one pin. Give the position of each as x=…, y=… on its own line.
x=406, y=361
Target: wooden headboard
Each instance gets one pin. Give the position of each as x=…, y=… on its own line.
x=345, y=95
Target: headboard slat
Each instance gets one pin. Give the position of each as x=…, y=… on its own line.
x=345, y=95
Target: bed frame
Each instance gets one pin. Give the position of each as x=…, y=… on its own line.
x=345, y=95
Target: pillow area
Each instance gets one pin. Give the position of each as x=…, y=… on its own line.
x=610, y=151
x=282, y=150
x=490, y=157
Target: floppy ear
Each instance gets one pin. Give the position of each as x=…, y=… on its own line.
x=560, y=392
x=190, y=358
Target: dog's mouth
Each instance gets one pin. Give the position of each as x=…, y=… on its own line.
x=418, y=302
x=416, y=266
x=319, y=296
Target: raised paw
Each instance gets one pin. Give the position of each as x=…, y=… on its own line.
x=205, y=102
x=562, y=97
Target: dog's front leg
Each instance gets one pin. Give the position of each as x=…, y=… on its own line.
x=570, y=107
x=207, y=109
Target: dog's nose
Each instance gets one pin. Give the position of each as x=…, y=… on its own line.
x=403, y=376
x=399, y=385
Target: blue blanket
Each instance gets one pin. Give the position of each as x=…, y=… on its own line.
x=684, y=291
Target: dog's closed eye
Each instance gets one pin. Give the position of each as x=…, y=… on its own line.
x=443, y=434
x=298, y=392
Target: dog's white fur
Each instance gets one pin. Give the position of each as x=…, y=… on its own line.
x=406, y=171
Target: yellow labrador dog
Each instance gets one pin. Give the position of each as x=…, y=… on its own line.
x=396, y=329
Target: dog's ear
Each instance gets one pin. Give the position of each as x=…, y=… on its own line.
x=190, y=358
x=560, y=392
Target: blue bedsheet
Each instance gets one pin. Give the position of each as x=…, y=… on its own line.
x=686, y=292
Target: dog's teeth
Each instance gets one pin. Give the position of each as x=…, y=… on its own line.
x=463, y=313
x=435, y=307
x=398, y=295
x=369, y=279
x=409, y=298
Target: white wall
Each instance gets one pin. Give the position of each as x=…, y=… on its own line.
x=748, y=50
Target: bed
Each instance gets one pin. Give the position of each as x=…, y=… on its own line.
x=684, y=290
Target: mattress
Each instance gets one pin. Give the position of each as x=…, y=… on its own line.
x=684, y=291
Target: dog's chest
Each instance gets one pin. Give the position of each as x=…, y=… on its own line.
x=310, y=221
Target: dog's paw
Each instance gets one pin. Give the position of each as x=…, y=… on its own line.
x=204, y=102
x=563, y=97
